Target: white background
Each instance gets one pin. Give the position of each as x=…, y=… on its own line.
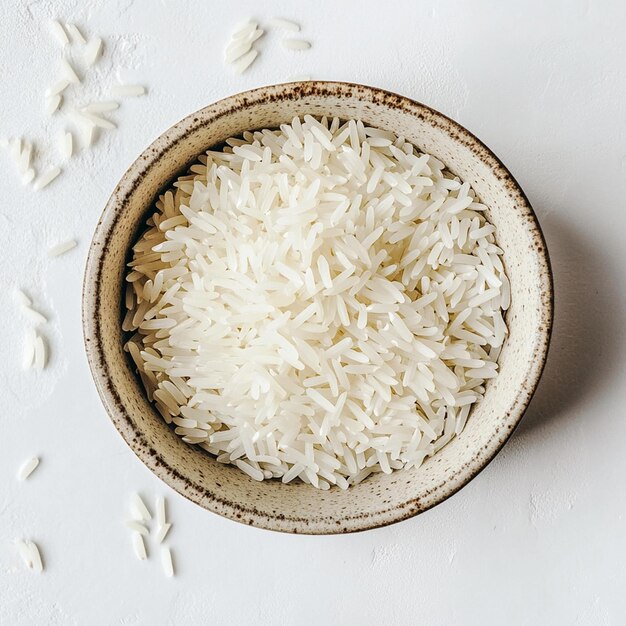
x=539, y=537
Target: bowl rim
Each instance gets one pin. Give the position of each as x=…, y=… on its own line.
x=125, y=187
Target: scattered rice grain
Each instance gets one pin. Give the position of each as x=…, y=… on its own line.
x=295, y=44
x=61, y=248
x=27, y=468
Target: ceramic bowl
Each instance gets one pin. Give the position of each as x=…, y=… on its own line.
x=296, y=507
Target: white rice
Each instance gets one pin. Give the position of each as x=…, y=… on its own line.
x=127, y=91
x=79, y=118
x=28, y=176
x=137, y=527
x=69, y=71
x=139, y=546
x=93, y=51
x=30, y=341
x=166, y=561
x=88, y=134
x=75, y=34
x=59, y=32
x=30, y=554
x=34, y=316
x=245, y=61
x=278, y=22
x=47, y=177
x=238, y=47
x=239, y=51
x=66, y=144
x=159, y=507
x=295, y=44
x=27, y=468
x=53, y=103
x=15, y=150
x=22, y=298
x=61, y=248
x=317, y=302
x=41, y=354
x=25, y=156
x=244, y=30
x=162, y=532
x=57, y=88
x=138, y=509
x=97, y=120
x=101, y=107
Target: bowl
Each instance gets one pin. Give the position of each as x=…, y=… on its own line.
x=381, y=499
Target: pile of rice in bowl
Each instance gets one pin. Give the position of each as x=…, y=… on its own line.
x=321, y=301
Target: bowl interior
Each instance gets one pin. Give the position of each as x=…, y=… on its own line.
x=381, y=499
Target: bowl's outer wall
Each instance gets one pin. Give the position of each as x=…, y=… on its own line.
x=382, y=499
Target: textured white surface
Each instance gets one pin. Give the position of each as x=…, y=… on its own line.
x=538, y=537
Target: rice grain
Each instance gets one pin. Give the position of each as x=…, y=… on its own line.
x=137, y=527
x=295, y=44
x=53, y=103
x=27, y=468
x=127, y=91
x=139, y=546
x=138, y=509
x=75, y=34
x=162, y=532
x=41, y=354
x=69, y=71
x=30, y=554
x=166, y=561
x=66, y=144
x=61, y=248
x=311, y=303
x=245, y=61
x=47, y=177
x=57, y=88
x=59, y=32
x=277, y=22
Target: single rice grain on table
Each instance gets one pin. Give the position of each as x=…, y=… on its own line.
x=30, y=341
x=41, y=353
x=53, y=103
x=317, y=302
x=131, y=91
x=139, y=509
x=166, y=561
x=101, y=107
x=30, y=554
x=57, y=88
x=47, y=177
x=28, y=176
x=279, y=22
x=66, y=144
x=69, y=71
x=34, y=316
x=27, y=468
x=56, y=28
x=162, y=532
x=159, y=506
x=92, y=51
x=139, y=546
x=137, y=527
x=295, y=44
x=22, y=298
x=75, y=34
x=61, y=248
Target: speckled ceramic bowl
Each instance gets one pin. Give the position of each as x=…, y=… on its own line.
x=299, y=508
